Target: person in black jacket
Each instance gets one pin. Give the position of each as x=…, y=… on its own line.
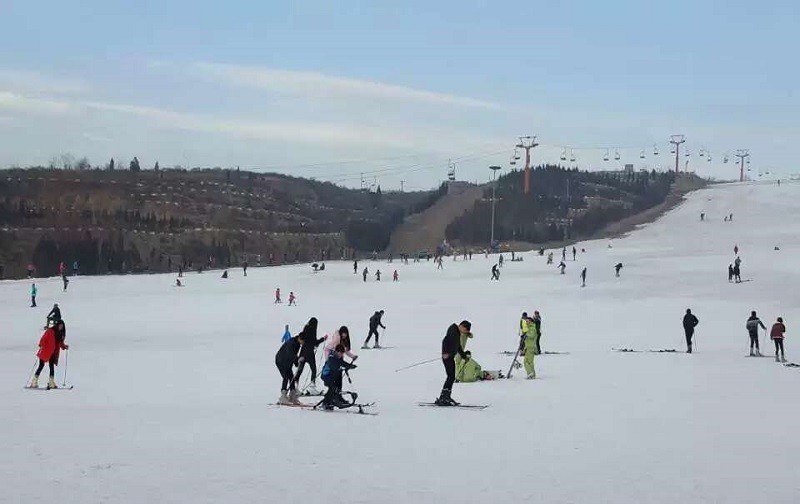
x=451, y=345
x=374, y=324
x=332, y=378
x=689, y=323
x=307, y=351
x=752, y=324
x=285, y=359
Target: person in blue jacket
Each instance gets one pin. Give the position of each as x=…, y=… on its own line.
x=286, y=335
x=332, y=378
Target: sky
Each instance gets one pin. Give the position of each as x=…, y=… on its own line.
x=397, y=90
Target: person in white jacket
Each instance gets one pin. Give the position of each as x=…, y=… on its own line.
x=340, y=337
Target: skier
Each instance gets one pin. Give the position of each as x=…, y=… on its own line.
x=307, y=351
x=51, y=343
x=395, y=276
x=512, y=256
x=180, y=271
x=439, y=264
x=75, y=268
x=365, y=273
x=225, y=274
x=495, y=273
x=730, y=273
x=500, y=261
x=292, y=299
x=583, y=278
x=550, y=258
x=702, y=216
x=752, y=328
x=65, y=280
x=31, y=268
x=374, y=324
x=574, y=253
x=332, y=378
x=286, y=335
x=178, y=282
x=378, y=276
x=524, y=327
x=530, y=335
x=618, y=267
x=278, y=295
x=244, y=268
x=537, y=323
x=451, y=345
x=689, y=323
x=34, y=290
x=564, y=254
x=287, y=357
x=776, y=334
x=340, y=337
x=736, y=250
x=737, y=272
x=54, y=316
x=563, y=266
x=355, y=266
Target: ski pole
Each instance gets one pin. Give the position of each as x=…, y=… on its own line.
x=417, y=364
x=66, y=364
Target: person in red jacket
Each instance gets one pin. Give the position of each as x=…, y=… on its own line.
x=776, y=334
x=51, y=343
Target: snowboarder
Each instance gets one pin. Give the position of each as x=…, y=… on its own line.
x=307, y=353
x=395, y=276
x=332, y=378
x=225, y=274
x=54, y=316
x=563, y=266
x=286, y=335
x=292, y=299
x=776, y=334
x=583, y=278
x=378, y=276
x=574, y=253
x=730, y=273
x=451, y=345
x=530, y=335
x=689, y=323
x=752, y=325
x=278, y=295
x=340, y=337
x=495, y=273
x=374, y=324
x=617, y=267
x=244, y=268
x=50, y=345
x=34, y=291
x=285, y=359
x=365, y=273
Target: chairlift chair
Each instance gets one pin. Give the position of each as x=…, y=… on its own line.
x=655, y=150
x=572, y=157
x=605, y=156
x=641, y=154
x=616, y=154
x=564, y=154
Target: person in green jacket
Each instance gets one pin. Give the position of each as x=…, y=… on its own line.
x=529, y=346
x=465, y=337
x=469, y=371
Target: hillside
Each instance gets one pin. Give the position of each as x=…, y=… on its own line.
x=122, y=221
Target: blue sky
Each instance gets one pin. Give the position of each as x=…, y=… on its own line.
x=395, y=89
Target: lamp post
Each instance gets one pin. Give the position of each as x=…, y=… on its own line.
x=494, y=200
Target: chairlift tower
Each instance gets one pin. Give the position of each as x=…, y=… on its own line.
x=527, y=143
x=494, y=200
x=677, y=140
x=742, y=154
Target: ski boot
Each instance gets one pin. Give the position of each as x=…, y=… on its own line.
x=376, y=346
x=293, y=397
x=51, y=384
x=34, y=382
x=752, y=354
x=758, y=353
x=783, y=359
x=531, y=376
x=284, y=399
x=365, y=346
x=777, y=359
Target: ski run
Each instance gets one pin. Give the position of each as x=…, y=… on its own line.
x=177, y=390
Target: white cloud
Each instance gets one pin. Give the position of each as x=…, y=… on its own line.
x=19, y=103
x=318, y=85
x=32, y=82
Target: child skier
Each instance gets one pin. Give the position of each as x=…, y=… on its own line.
x=285, y=359
x=286, y=335
x=451, y=346
x=776, y=334
x=292, y=299
x=562, y=266
x=395, y=276
x=332, y=378
x=50, y=345
x=752, y=328
x=378, y=276
x=278, y=295
x=34, y=291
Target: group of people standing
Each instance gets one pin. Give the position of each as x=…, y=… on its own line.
x=753, y=324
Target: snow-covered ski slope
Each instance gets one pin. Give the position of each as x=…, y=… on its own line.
x=172, y=385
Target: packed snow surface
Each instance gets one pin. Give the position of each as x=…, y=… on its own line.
x=173, y=385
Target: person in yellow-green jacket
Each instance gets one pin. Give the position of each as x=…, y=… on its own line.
x=530, y=336
x=468, y=370
x=465, y=337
